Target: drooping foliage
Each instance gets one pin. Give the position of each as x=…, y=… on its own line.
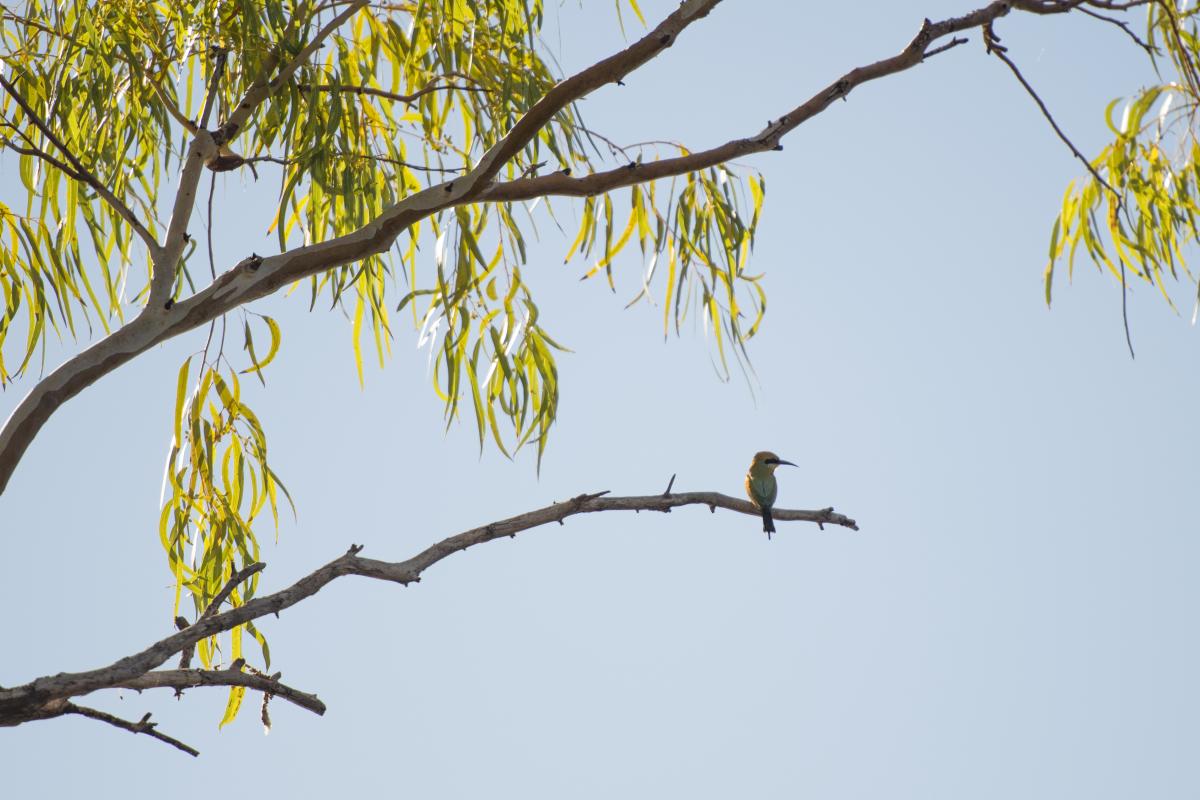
x=1136, y=210
x=397, y=97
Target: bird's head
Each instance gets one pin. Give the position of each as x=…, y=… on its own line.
x=769, y=460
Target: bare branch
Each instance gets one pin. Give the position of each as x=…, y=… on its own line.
x=955, y=42
x=179, y=679
x=992, y=42
x=144, y=725
x=31, y=701
x=559, y=183
x=579, y=85
x=80, y=172
x=234, y=581
x=1124, y=26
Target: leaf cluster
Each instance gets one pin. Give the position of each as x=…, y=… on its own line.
x=1137, y=211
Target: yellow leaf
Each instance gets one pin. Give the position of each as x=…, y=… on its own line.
x=236, y=693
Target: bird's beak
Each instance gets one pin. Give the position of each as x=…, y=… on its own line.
x=781, y=461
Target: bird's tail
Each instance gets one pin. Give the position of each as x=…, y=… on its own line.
x=768, y=523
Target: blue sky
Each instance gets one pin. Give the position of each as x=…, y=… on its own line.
x=1014, y=619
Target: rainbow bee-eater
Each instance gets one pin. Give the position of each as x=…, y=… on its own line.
x=761, y=485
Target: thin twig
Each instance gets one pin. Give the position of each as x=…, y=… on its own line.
x=955, y=42
x=1124, y=26
x=144, y=725
x=992, y=43
x=234, y=580
x=407, y=99
x=185, y=657
x=287, y=162
x=43, y=155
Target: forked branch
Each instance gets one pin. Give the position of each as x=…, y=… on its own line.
x=255, y=277
x=49, y=696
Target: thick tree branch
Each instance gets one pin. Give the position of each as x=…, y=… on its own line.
x=255, y=277
x=70, y=378
x=80, y=172
x=201, y=152
x=155, y=324
x=45, y=696
x=921, y=47
x=579, y=85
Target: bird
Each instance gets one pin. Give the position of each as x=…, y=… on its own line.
x=761, y=485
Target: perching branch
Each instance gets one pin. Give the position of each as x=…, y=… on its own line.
x=47, y=696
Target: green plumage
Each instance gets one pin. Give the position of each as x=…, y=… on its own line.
x=761, y=486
